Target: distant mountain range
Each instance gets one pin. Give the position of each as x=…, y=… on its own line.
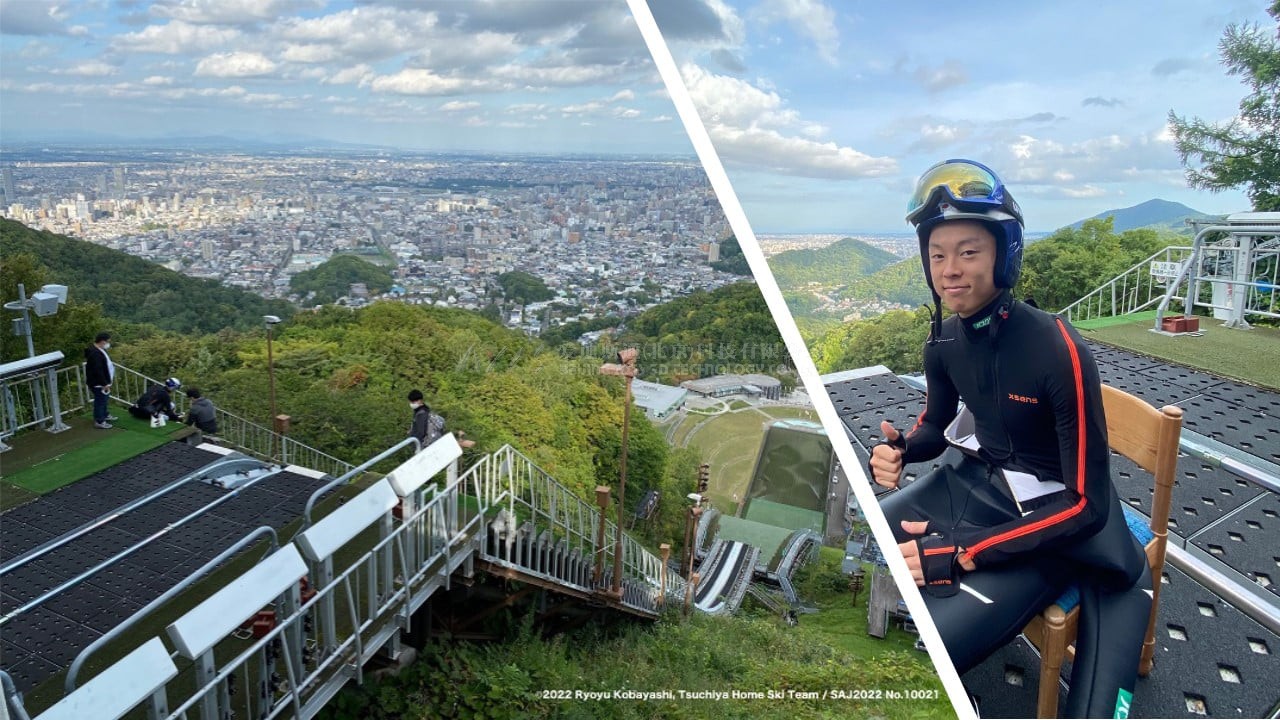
x=1159, y=214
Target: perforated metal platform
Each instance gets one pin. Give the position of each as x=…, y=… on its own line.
x=41, y=641
x=1210, y=661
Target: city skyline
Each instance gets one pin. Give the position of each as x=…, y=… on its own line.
x=824, y=114
x=543, y=77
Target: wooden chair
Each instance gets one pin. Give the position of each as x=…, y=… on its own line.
x=1148, y=437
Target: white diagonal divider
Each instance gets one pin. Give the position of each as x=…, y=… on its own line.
x=212, y=620
x=417, y=470
x=324, y=538
x=119, y=688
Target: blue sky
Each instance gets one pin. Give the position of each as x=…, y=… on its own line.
x=536, y=76
x=825, y=112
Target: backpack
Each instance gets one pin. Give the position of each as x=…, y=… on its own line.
x=435, y=427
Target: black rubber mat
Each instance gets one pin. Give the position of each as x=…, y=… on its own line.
x=49, y=636
x=1154, y=390
x=856, y=396
x=1210, y=660
x=1227, y=422
x=53, y=637
x=1251, y=398
x=1202, y=494
x=16, y=537
x=1249, y=541
x=1184, y=376
x=1128, y=360
x=1006, y=683
x=865, y=426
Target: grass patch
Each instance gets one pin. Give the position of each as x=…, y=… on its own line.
x=1245, y=355
x=739, y=405
x=680, y=436
x=1146, y=316
x=731, y=442
x=12, y=496
x=757, y=654
x=52, y=461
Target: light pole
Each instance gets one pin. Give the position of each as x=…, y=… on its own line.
x=45, y=302
x=626, y=368
x=271, y=321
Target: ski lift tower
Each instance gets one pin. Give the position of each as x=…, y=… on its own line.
x=1241, y=270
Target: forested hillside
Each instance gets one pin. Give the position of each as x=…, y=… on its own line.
x=333, y=278
x=837, y=263
x=132, y=289
x=728, y=329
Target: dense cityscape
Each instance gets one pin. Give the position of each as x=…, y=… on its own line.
x=605, y=235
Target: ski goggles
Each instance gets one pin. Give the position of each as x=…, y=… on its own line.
x=965, y=184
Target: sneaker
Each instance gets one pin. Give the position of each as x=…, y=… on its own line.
x=103, y=425
x=112, y=418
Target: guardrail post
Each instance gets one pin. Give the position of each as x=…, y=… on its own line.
x=597, y=552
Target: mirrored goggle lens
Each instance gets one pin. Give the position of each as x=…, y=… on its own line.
x=962, y=180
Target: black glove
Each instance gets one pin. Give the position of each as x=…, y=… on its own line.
x=938, y=564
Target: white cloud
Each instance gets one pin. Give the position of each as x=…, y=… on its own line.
x=626, y=113
x=810, y=18
x=228, y=12
x=361, y=74
x=750, y=127
x=175, y=38
x=622, y=95
x=770, y=149
x=415, y=81
x=1084, y=191
x=363, y=33
x=459, y=105
x=946, y=75
x=309, y=53
x=475, y=121
x=89, y=68
x=582, y=108
x=470, y=51
x=525, y=108
x=235, y=64
x=558, y=75
x=660, y=118
x=157, y=80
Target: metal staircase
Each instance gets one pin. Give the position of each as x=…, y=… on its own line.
x=321, y=616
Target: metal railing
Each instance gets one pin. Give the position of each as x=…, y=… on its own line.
x=531, y=494
x=25, y=401
x=1133, y=290
x=1241, y=271
x=297, y=666
x=129, y=385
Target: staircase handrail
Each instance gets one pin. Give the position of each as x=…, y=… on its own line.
x=246, y=435
x=1138, y=266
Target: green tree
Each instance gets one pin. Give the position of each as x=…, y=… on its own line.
x=1244, y=151
x=333, y=278
x=1065, y=266
x=524, y=288
x=894, y=339
x=731, y=258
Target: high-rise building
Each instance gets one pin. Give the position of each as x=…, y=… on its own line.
x=119, y=175
x=9, y=194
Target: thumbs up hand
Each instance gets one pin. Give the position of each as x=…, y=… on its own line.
x=886, y=459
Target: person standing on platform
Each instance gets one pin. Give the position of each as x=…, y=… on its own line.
x=99, y=373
